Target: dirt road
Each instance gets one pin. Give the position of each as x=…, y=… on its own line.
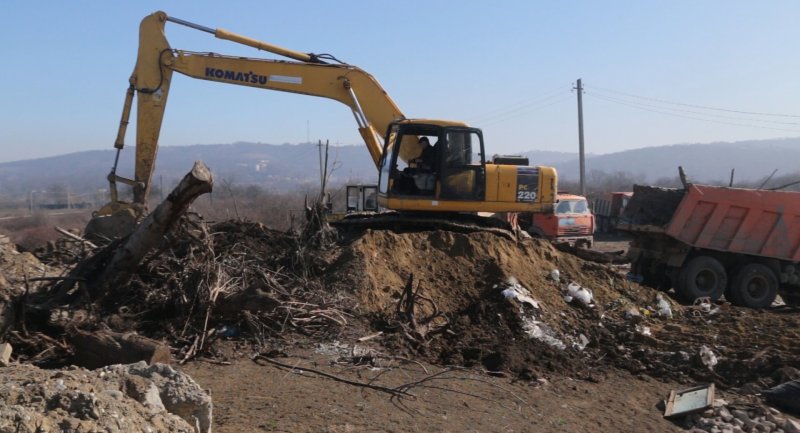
x=265, y=398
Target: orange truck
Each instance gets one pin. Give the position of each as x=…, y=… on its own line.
x=570, y=222
x=708, y=241
x=608, y=208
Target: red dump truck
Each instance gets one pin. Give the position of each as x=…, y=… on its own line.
x=608, y=208
x=708, y=241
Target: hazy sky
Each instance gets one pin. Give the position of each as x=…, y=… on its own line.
x=505, y=66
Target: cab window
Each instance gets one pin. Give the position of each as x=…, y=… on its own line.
x=572, y=207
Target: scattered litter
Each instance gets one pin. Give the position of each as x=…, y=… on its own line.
x=333, y=349
x=370, y=337
x=664, y=310
x=555, y=275
x=689, y=400
x=539, y=331
x=227, y=331
x=581, y=343
x=704, y=305
x=582, y=294
x=644, y=330
x=362, y=352
x=708, y=357
x=785, y=396
x=516, y=291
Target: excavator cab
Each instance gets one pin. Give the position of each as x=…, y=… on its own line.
x=432, y=161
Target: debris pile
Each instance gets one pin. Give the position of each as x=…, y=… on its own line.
x=118, y=398
x=511, y=307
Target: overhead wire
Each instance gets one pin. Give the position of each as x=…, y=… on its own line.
x=683, y=110
x=704, y=107
x=639, y=107
x=527, y=111
x=515, y=107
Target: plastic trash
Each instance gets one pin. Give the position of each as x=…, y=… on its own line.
x=636, y=278
x=515, y=290
x=786, y=396
x=555, y=275
x=227, y=331
x=708, y=357
x=582, y=342
x=664, y=310
x=582, y=294
x=539, y=331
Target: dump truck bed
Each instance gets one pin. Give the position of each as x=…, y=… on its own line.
x=754, y=222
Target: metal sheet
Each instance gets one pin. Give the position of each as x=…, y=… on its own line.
x=689, y=400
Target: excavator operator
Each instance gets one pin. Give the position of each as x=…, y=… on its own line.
x=427, y=157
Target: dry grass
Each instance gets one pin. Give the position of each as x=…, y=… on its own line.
x=34, y=231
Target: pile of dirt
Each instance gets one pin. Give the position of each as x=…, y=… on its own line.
x=464, y=275
x=119, y=398
x=469, y=299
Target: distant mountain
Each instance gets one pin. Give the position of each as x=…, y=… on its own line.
x=279, y=167
x=752, y=160
x=550, y=157
x=290, y=167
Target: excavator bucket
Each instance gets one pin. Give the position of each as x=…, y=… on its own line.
x=109, y=226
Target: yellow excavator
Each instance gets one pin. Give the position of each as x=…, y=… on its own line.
x=424, y=165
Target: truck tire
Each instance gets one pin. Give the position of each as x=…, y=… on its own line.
x=754, y=286
x=702, y=277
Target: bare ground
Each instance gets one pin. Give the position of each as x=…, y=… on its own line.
x=266, y=398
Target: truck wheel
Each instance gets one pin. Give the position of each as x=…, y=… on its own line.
x=703, y=276
x=754, y=286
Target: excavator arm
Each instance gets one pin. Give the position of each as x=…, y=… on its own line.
x=306, y=74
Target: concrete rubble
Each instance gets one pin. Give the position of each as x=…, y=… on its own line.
x=745, y=418
x=117, y=398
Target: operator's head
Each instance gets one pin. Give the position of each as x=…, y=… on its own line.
x=424, y=141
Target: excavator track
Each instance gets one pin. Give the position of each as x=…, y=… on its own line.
x=423, y=221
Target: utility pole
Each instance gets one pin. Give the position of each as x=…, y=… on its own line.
x=579, y=88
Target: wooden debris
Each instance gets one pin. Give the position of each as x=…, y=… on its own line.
x=151, y=231
x=101, y=348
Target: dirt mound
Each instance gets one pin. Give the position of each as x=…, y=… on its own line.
x=464, y=275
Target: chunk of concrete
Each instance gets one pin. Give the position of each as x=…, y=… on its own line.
x=5, y=354
x=179, y=393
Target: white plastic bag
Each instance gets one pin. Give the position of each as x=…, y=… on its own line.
x=582, y=294
x=664, y=310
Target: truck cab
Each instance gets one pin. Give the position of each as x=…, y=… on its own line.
x=570, y=222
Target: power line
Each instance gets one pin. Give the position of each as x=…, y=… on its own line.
x=504, y=118
x=499, y=112
x=682, y=110
x=704, y=107
x=686, y=117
